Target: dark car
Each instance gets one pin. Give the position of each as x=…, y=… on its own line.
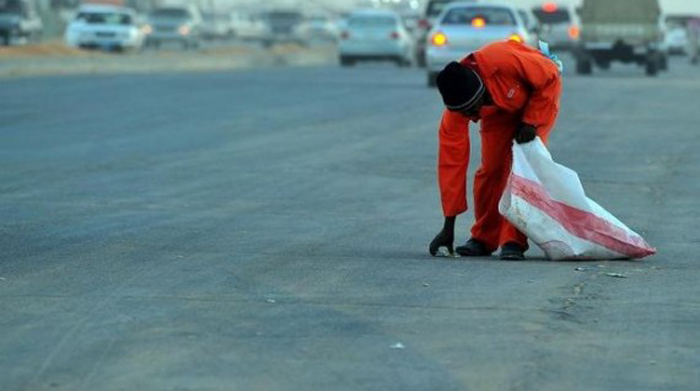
x=18, y=21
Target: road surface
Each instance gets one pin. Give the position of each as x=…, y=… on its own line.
x=268, y=230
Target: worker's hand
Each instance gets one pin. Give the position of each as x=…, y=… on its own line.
x=525, y=133
x=445, y=238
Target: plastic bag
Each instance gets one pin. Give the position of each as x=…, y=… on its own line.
x=546, y=202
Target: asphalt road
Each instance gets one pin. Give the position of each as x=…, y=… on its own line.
x=268, y=230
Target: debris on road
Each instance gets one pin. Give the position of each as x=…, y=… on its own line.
x=398, y=345
x=580, y=269
x=271, y=301
x=616, y=275
x=425, y=285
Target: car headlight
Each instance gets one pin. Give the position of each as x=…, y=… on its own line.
x=184, y=29
x=147, y=29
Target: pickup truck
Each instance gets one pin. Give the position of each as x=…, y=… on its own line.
x=630, y=31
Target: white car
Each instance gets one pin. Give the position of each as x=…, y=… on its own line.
x=216, y=26
x=463, y=28
x=560, y=25
x=104, y=27
x=676, y=38
x=248, y=27
x=375, y=35
x=318, y=27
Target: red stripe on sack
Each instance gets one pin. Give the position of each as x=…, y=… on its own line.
x=579, y=223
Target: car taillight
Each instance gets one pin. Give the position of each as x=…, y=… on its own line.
x=478, y=23
x=550, y=7
x=439, y=39
x=345, y=35
x=424, y=24
x=574, y=32
x=394, y=35
x=516, y=38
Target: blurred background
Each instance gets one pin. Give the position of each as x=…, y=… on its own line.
x=209, y=33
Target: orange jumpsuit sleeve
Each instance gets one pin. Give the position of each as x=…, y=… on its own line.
x=542, y=75
x=453, y=161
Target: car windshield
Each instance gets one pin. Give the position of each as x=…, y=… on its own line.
x=490, y=16
x=372, y=21
x=175, y=13
x=552, y=17
x=11, y=7
x=105, y=18
x=435, y=7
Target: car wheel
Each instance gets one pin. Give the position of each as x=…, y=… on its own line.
x=4, y=40
x=346, y=61
x=663, y=63
x=584, y=66
x=432, y=79
x=420, y=59
x=603, y=64
x=652, y=66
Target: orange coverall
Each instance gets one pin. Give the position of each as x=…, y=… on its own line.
x=525, y=87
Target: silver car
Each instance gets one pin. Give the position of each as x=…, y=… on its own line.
x=560, y=25
x=463, y=28
x=375, y=35
x=174, y=24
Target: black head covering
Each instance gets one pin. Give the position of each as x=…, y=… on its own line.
x=459, y=86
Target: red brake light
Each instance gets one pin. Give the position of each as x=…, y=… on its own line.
x=394, y=35
x=345, y=35
x=424, y=24
x=478, y=23
x=550, y=7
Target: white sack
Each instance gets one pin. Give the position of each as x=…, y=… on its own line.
x=546, y=202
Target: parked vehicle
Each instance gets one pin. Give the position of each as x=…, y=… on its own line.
x=19, y=22
x=433, y=9
x=248, y=27
x=677, y=40
x=104, y=27
x=283, y=26
x=560, y=25
x=175, y=24
x=463, y=28
x=215, y=26
x=630, y=31
x=532, y=25
x=375, y=35
x=318, y=27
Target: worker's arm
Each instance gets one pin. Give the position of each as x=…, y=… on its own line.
x=542, y=76
x=453, y=160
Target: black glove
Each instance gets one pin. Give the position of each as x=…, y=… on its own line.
x=525, y=133
x=444, y=238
